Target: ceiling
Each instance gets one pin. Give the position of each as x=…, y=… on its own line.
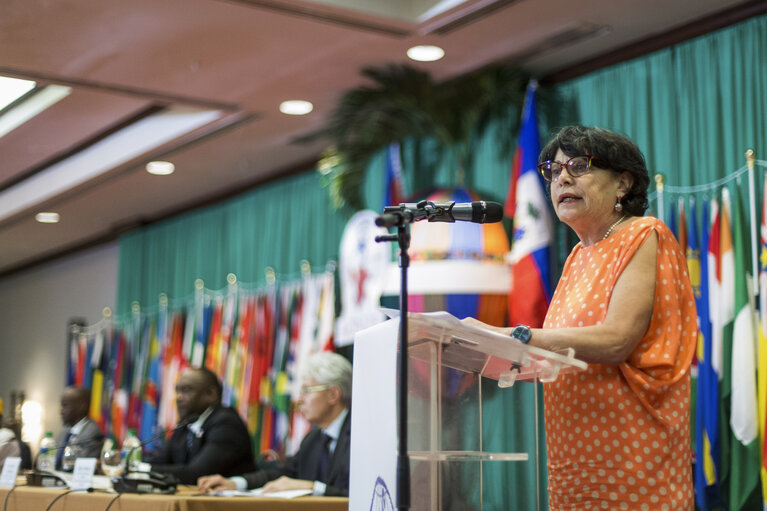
x=137, y=68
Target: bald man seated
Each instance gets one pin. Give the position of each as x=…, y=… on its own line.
x=215, y=440
x=322, y=462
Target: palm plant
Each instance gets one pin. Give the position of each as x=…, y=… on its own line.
x=405, y=103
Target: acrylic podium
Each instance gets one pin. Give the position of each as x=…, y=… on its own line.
x=448, y=363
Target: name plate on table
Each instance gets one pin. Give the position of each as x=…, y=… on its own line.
x=82, y=476
x=10, y=471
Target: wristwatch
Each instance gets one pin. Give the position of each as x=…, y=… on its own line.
x=522, y=333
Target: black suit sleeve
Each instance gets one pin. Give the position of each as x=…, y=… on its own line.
x=338, y=483
x=224, y=449
x=163, y=455
x=304, y=464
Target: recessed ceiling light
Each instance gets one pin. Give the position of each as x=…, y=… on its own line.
x=12, y=89
x=296, y=107
x=47, y=217
x=160, y=168
x=426, y=53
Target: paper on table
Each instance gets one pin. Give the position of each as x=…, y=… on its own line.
x=258, y=492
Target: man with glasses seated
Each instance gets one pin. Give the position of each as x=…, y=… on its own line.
x=322, y=462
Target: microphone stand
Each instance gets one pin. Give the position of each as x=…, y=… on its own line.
x=401, y=217
x=126, y=462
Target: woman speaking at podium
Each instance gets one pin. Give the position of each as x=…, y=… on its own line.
x=618, y=433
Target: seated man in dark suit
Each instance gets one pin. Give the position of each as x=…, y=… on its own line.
x=322, y=462
x=215, y=438
x=82, y=433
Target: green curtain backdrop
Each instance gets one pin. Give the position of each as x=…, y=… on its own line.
x=276, y=225
x=693, y=109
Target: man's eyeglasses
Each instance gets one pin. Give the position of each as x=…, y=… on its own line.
x=311, y=389
x=576, y=166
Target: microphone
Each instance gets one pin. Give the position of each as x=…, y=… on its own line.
x=46, y=478
x=479, y=212
x=147, y=482
x=182, y=424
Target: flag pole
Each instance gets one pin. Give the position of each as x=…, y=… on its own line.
x=752, y=214
x=659, y=188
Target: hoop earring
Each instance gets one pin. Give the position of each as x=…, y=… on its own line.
x=618, y=205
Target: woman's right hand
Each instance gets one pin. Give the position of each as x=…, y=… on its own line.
x=474, y=322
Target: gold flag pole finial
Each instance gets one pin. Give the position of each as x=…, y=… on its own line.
x=271, y=276
x=659, y=181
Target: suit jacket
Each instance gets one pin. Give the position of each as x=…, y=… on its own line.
x=9, y=446
x=305, y=463
x=89, y=440
x=222, y=447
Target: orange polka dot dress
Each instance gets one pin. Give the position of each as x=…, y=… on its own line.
x=618, y=437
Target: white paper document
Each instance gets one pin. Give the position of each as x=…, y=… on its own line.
x=258, y=492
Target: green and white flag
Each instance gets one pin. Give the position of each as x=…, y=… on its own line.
x=744, y=447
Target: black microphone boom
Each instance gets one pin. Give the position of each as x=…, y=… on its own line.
x=148, y=482
x=181, y=424
x=480, y=212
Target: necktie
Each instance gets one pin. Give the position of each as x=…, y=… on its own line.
x=322, y=472
x=189, y=442
x=60, y=453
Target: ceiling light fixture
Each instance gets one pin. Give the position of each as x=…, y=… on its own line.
x=160, y=168
x=296, y=107
x=425, y=53
x=39, y=101
x=103, y=156
x=12, y=89
x=47, y=217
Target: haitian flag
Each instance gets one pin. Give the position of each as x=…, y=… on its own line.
x=527, y=204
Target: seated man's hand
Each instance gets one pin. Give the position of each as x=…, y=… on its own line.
x=287, y=483
x=215, y=482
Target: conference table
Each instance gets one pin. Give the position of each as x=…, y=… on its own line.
x=34, y=498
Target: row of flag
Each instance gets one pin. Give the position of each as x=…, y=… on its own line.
x=255, y=341
x=730, y=375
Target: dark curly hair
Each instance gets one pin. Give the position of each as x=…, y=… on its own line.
x=614, y=151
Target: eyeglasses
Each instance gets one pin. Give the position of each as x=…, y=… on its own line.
x=576, y=166
x=311, y=389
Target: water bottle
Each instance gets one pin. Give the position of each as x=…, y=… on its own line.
x=46, y=458
x=132, y=448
